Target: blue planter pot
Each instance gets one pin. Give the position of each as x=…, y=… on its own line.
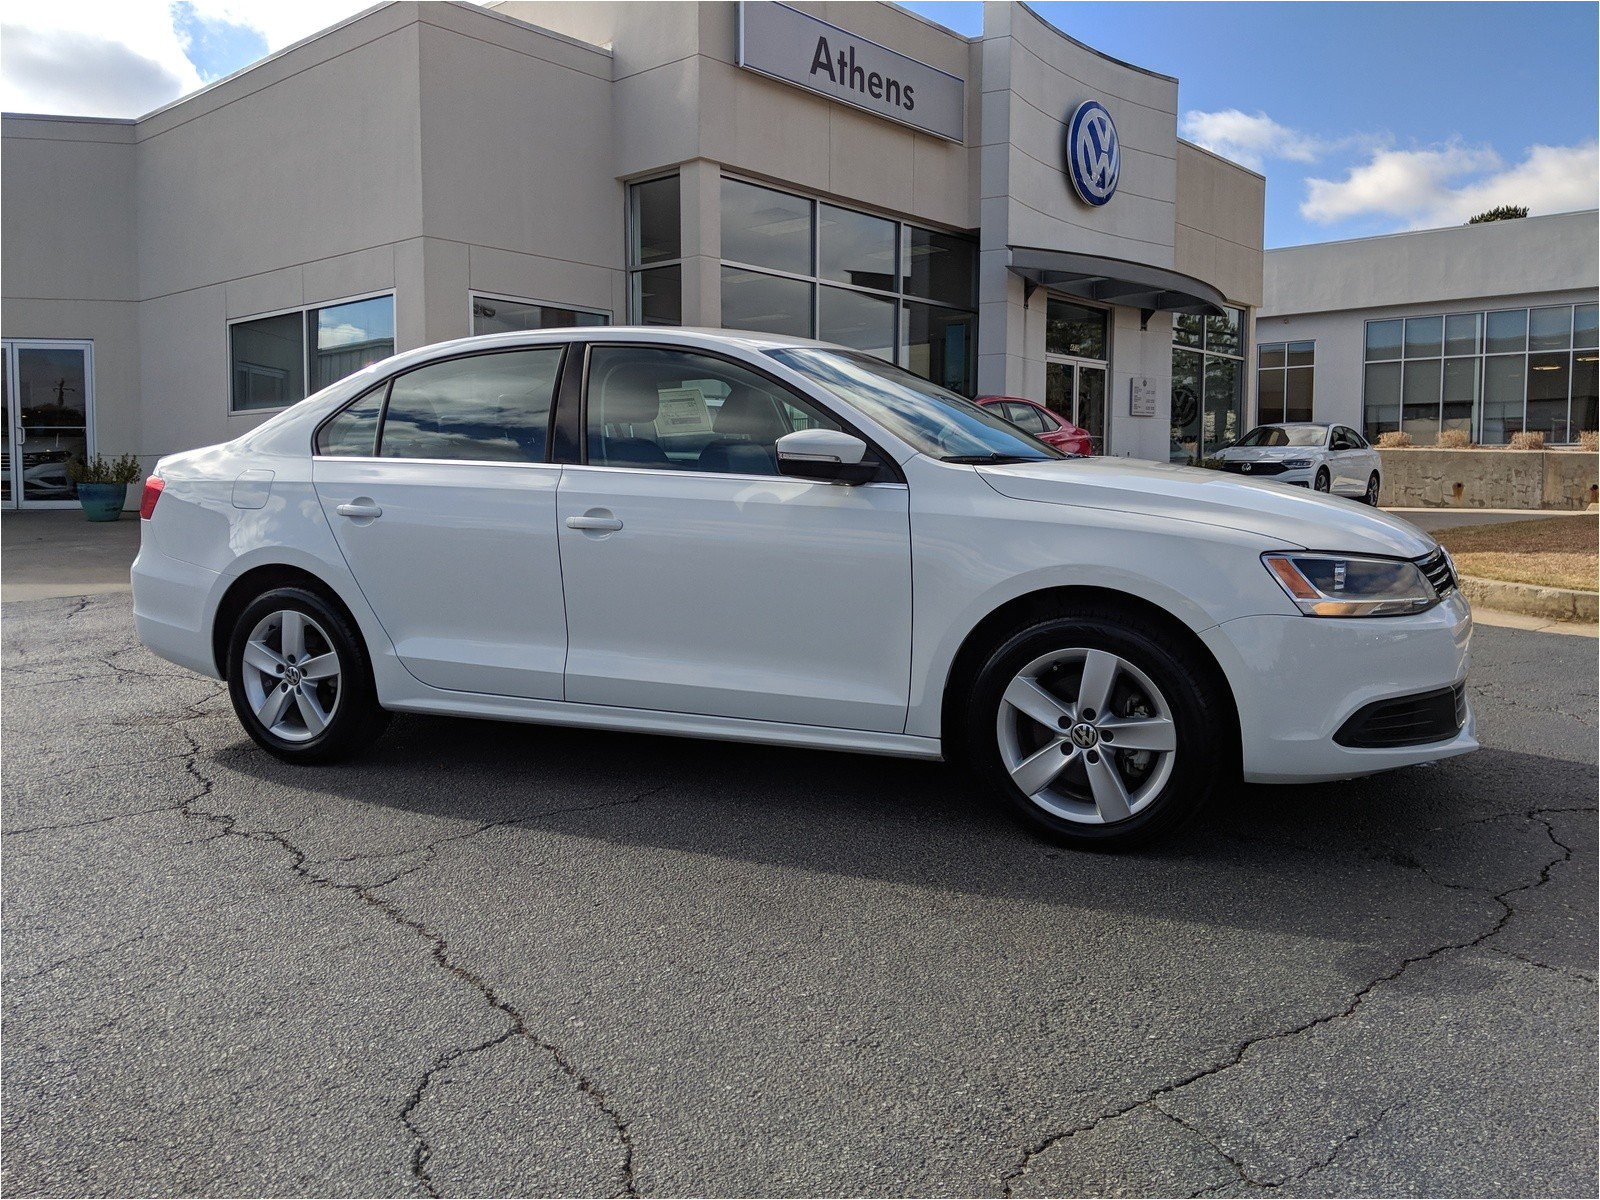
x=102, y=501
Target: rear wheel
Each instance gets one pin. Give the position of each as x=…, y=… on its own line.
x=1323, y=481
x=1099, y=730
x=300, y=680
x=1371, y=496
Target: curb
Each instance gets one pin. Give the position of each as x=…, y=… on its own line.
x=1556, y=604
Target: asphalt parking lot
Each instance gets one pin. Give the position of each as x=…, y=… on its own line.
x=499, y=960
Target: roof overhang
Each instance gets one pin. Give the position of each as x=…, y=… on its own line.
x=1114, y=281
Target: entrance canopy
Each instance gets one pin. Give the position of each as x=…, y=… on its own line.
x=1114, y=281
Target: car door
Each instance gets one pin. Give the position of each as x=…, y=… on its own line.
x=1363, y=458
x=1347, y=460
x=439, y=494
x=710, y=584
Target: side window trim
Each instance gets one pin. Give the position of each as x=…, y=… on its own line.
x=567, y=357
x=890, y=467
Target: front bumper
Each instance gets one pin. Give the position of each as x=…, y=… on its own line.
x=1297, y=681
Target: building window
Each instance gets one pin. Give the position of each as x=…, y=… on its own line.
x=1208, y=371
x=1487, y=374
x=279, y=360
x=655, y=252
x=1284, y=381
x=1076, y=354
x=798, y=266
x=496, y=314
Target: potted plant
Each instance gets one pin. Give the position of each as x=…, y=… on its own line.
x=103, y=484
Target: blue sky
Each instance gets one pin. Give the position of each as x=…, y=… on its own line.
x=1365, y=118
x=1436, y=106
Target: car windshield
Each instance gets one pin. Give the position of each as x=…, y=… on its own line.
x=934, y=420
x=1284, y=435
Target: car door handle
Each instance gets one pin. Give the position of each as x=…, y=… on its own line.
x=594, y=523
x=359, y=510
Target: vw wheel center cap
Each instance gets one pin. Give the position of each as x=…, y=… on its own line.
x=1084, y=735
x=1094, y=155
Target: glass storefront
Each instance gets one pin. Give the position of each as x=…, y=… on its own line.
x=1208, y=372
x=279, y=360
x=1487, y=374
x=1285, y=381
x=803, y=267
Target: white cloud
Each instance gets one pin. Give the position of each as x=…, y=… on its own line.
x=1445, y=185
x=136, y=58
x=1251, y=139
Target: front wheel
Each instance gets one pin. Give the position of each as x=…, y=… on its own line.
x=1323, y=481
x=1371, y=496
x=300, y=680
x=1099, y=730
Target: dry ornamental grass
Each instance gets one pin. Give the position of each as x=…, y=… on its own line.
x=1552, y=552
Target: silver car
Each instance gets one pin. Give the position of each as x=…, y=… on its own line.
x=1313, y=454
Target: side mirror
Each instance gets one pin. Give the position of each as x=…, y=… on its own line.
x=825, y=454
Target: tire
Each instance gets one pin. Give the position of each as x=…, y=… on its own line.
x=1323, y=483
x=319, y=717
x=1371, y=496
x=1161, y=693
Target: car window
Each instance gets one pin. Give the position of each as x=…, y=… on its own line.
x=353, y=433
x=931, y=419
x=1026, y=416
x=1284, y=435
x=1353, y=440
x=677, y=410
x=485, y=408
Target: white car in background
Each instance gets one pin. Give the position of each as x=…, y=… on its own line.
x=763, y=539
x=1313, y=454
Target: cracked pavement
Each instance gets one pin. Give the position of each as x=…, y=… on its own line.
x=490, y=959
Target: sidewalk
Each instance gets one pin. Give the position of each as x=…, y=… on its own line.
x=58, y=553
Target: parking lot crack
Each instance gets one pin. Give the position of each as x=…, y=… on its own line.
x=1240, y=1050
x=517, y=1025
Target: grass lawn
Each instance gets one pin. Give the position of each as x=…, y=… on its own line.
x=1554, y=552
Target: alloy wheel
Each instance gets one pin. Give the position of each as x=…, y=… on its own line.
x=291, y=675
x=1086, y=735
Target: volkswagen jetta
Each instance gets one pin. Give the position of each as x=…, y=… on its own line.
x=779, y=541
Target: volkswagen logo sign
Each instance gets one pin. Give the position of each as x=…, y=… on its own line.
x=1245, y=467
x=1094, y=155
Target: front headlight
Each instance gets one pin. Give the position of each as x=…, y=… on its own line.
x=1349, y=585
x=1296, y=463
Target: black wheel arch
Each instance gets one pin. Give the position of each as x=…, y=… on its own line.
x=255, y=582
x=994, y=629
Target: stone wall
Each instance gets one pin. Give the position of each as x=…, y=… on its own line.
x=1434, y=478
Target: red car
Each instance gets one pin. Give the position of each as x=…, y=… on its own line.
x=1050, y=428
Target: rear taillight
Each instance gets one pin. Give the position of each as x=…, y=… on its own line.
x=152, y=493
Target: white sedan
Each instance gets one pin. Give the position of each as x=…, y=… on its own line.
x=778, y=541
x=1323, y=457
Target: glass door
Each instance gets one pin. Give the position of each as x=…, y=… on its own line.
x=1077, y=340
x=1077, y=391
x=49, y=405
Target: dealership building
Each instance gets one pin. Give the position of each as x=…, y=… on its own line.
x=1488, y=329
x=1011, y=213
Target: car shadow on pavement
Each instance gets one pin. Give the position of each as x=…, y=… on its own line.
x=1322, y=860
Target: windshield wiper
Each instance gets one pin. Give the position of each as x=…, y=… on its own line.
x=991, y=460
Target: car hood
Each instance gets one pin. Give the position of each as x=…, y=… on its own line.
x=1279, y=514
x=1267, y=453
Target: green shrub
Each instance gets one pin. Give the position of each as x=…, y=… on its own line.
x=124, y=470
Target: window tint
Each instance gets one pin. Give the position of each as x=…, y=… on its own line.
x=673, y=410
x=354, y=432
x=487, y=408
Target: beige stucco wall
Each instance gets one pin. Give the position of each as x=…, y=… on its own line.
x=1221, y=222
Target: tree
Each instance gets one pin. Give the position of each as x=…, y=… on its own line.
x=1505, y=212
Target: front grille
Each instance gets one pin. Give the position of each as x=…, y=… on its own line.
x=1407, y=720
x=1437, y=568
x=1256, y=468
